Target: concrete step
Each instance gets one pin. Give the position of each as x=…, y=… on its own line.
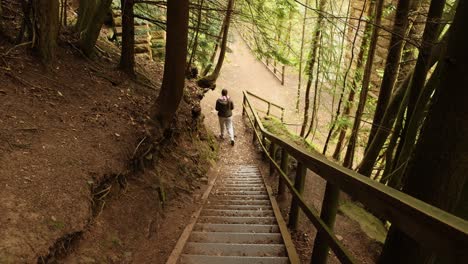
x=246, y=192
x=238, y=202
x=241, y=186
x=239, y=228
x=200, y=259
x=224, y=249
x=241, y=182
x=249, y=213
x=240, y=197
x=246, y=188
x=237, y=220
x=239, y=207
x=236, y=238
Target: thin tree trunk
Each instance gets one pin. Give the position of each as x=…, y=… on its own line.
x=209, y=81
x=301, y=57
x=356, y=81
x=334, y=119
x=437, y=174
x=349, y=157
x=316, y=86
x=127, y=56
x=392, y=64
x=430, y=58
x=215, y=50
x=46, y=24
x=311, y=65
x=172, y=87
x=91, y=23
x=195, y=41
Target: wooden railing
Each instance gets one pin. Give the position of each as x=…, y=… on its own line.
x=272, y=67
x=431, y=227
x=269, y=106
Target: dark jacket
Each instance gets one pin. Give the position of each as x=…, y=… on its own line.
x=224, y=106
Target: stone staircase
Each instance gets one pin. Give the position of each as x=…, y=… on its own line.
x=239, y=224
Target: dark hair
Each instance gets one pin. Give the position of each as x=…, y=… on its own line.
x=224, y=92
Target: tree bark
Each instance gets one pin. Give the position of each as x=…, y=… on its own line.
x=301, y=57
x=127, y=56
x=195, y=41
x=400, y=98
x=437, y=174
x=46, y=24
x=349, y=157
x=215, y=50
x=311, y=65
x=210, y=80
x=172, y=87
x=392, y=64
x=91, y=16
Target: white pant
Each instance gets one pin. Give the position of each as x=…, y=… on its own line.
x=226, y=122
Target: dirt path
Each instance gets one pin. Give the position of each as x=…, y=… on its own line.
x=242, y=71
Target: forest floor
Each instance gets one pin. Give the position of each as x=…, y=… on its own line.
x=68, y=132
x=361, y=234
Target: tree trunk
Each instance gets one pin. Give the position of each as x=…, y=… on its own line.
x=334, y=119
x=90, y=23
x=127, y=56
x=46, y=24
x=215, y=50
x=172, y=87
x=356, y=81
x=349, y=157
x=209, y=81
x=195, y=41
x=311, y=65
x=392, y=64
x=428, y=61
x=301, y=57
x=437, y=174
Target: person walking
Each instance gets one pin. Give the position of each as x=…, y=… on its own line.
x=224, y=106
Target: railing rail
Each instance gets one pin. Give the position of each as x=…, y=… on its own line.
x=430, y=226
x=269, y=106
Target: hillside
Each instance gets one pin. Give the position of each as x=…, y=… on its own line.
x=67, y=135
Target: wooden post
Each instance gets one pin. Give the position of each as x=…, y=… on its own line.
x=264, y=144
x=282, y=75
x=244, y=105
x=254, y=127
x=299, y=186
x=274, y=66
x=282, y=115
x=267, y=61
x=272, y=154
x=284, y=168
x=328, y=215
x=269, y=107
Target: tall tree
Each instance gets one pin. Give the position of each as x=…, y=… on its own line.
x=46, y=26
x=392, y=64
x=210, y=80
x=349, y=157
x=91, y=15
x=357, y=78
x=311, y=64
x=425, y=61
x=172, y=87
x=127, y=56
x=195, y=41
x=437, y=173
x=301, y=56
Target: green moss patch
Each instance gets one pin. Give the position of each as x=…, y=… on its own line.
x=369, y=224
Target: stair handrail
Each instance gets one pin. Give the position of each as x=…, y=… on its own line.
x=432, y=227
x=270, y=104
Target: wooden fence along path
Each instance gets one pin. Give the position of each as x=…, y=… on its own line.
x=431, y=227
x=269, y=63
